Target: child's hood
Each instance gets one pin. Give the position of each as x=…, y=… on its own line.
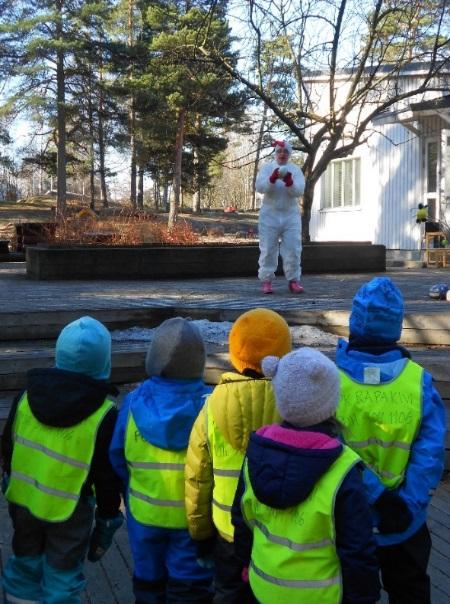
x=389, y=359
x=165, y=410
x=64, y=398
x=285, y=463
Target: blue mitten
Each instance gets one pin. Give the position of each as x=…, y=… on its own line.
x=102, y=536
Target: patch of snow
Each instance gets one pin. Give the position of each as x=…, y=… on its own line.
x=217, y=333
x=308, y=335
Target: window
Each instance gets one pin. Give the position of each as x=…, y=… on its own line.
x=341, y=184
x=432, y=164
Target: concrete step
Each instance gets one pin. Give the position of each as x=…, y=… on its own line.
x=408, y=259
x=414, y=264
x=428, y=324
x=403, y=254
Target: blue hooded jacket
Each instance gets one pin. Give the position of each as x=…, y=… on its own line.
x=375, y=327
x=164, y=410
x=426, y=462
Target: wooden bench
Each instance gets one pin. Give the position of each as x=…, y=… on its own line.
x=434, y=256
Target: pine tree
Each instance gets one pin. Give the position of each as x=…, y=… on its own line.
x=43, y=40
x=200, y=99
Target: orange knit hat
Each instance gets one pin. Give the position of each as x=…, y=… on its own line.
x=258, y=333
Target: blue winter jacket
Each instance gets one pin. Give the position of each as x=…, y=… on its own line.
x=426, y=462
x=164, y=411
x=284, y=464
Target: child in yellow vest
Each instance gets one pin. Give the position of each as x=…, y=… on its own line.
x=242, y=402
x=399, y=434
x=148, y=452
x=54, y=454
x=302, y=522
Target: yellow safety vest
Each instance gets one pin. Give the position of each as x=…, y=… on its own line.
x=294, y=557
x=49, y=464
x=156, y=487
x=227, y=463
x=381, y=421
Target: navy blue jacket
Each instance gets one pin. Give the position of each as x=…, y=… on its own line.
x=284, y=464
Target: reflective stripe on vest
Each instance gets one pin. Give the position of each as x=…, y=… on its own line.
x=294, y=556
x=50, y=465
x=156, y=487
x=227, y=463
x=381, y=421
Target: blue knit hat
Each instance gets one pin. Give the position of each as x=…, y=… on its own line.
x=84, y=346
x=377, y=312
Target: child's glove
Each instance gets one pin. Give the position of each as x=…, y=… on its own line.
x=102, y=536
x=288, y=181
x=273, y=177
x=244, y=574
x=395, y=516
x=205, y=552
x=5, y=483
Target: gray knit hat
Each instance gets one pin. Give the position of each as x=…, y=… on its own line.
x=177, y=351
x=306, y=385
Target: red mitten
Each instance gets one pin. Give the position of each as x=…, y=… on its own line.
x=275, y=174
x=288, y=180
x=244, y=574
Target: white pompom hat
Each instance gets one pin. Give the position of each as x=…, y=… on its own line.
x=306, y=385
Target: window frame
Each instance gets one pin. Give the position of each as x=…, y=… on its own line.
x=331, y=195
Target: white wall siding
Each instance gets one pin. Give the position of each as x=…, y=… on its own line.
x=390, y=192
x=392, y=170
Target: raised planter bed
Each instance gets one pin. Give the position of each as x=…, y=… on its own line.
x=49, y=262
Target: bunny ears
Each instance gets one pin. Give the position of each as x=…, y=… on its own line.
x=282, y=145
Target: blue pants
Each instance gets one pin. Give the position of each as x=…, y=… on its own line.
x=32, y=579
x=165, y=566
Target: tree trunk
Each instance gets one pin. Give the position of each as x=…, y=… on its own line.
x=61, y=118
x=133, y=169
x=196, y=209
x=156, y=194
x=258, y=155
x=165, y=196
x=132, y=111
x=306, y=205
x=175, y=201
x=140, y=195
x=196, y=197
x=91, y=150
x=101, y=143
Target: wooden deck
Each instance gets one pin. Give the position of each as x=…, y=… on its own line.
x=109, y=581
x=33, y=311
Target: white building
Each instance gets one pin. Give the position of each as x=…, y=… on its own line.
x=373, y=194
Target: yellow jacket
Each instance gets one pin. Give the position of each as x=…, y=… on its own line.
x=240, y=405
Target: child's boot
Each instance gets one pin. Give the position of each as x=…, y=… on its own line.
x=295, y=287
x=266, y=287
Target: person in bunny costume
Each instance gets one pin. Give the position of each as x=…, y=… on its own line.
x=280, y=229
